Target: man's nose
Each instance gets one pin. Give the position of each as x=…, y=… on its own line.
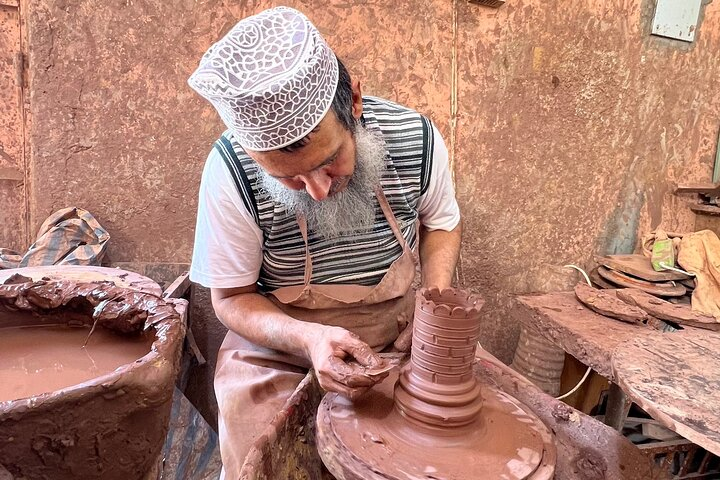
x=317, y=185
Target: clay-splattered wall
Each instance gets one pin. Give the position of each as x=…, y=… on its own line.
x=573, y=125
x=13, y=192
x=568, y=123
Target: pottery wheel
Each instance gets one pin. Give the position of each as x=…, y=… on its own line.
x=370, y=440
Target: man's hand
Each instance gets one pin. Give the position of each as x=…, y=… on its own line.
x=328, y=348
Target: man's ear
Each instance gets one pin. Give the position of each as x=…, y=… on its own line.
x=356, y=99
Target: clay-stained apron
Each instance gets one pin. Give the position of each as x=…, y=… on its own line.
x=252, y=383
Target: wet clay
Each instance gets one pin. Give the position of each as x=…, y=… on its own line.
x=111, y=426
x=36, y=360
x=433, y=419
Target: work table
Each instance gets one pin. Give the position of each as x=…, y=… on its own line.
x=673, y=376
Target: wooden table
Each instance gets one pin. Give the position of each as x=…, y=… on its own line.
x=674, y=377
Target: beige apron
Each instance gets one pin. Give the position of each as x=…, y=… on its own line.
x=252, y=383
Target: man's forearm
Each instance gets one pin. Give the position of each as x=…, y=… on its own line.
x=257, y=319
x=439, y=252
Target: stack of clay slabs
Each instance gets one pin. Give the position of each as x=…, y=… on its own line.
x=636, y=271
x=435, y=419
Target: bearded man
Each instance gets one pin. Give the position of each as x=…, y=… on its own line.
x=311, y=208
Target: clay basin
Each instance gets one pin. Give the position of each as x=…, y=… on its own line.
x=111, y=426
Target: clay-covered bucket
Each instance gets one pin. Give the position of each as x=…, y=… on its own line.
x=110, y=427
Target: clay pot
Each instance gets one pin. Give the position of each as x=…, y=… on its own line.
x=437, y=389
x=113, y=426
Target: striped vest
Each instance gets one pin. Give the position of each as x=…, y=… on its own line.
x=358, y=258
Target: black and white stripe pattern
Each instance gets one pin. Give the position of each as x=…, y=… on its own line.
x=361, y=258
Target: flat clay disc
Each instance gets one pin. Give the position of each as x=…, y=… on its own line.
x=664, y=289
x=639, y=266
x=370, y=440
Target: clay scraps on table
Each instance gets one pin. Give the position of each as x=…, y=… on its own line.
x=659, y=308
x=607, y=304
x=635, y=306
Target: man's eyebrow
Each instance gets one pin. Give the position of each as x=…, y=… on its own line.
x=325, y=163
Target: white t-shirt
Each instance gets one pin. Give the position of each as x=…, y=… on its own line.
x=228, y=243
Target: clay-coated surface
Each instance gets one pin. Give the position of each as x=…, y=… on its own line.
x=436, y=390
x=676, y=380
x=376, y=442
x=659, y=308
x=606, y=303
x=112, y=426
x=86, y=274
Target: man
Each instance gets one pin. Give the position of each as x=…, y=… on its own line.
x=308, y=219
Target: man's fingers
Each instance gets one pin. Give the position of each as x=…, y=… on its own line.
x=348, y=375
x=330, y=385
x=364, y=355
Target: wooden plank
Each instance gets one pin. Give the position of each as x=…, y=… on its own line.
x=703, y=209
x=675, y=378
x=178, y=288
x=710, y=189
x=618, y=407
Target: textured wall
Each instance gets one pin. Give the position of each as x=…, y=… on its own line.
x=573, y=125
x=572, y=122
x=12, y=161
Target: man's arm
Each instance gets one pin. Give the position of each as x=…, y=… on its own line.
x=439, y=253
x=254, y=317
x=441, y=229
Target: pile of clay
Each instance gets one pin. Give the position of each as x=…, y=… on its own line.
x=86, y=378
x=435, y=419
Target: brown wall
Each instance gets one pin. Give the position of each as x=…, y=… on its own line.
x=13, y=171
x=572, y=123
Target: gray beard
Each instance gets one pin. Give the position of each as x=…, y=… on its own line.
x=349, y=211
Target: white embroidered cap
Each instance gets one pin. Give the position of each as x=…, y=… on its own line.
x=272, y=78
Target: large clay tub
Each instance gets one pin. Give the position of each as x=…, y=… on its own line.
x=109, y=427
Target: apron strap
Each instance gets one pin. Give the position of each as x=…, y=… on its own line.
x=302, y=223
x=389, y=216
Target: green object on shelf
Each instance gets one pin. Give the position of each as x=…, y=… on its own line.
x=663, y=254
